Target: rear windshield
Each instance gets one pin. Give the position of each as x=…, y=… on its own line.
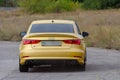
x=60, y=28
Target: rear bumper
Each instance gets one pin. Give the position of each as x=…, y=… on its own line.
x=50, y=62
x=54, y=56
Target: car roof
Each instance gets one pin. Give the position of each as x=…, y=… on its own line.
x=53, y=21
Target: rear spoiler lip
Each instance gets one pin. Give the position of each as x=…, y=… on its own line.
x=69, y=34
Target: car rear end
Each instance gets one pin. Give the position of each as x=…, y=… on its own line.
x=61, y=45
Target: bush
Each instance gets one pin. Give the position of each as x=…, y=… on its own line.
x=8, y=3
x=101, y=4
x=1, y=2
x=43, y=6
x=78, y=0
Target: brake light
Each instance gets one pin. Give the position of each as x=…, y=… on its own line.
x=26, y=41
x=75, y=41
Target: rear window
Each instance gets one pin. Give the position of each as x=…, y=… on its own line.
x=60, y=28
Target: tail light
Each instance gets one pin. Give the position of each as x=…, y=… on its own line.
x=75, y=41
x=26, y=41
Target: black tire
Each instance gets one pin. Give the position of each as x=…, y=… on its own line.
x=23, y=68
x=83, y=67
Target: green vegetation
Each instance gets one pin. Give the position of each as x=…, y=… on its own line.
x=101, y=4
x=1, y=2
x=47, y=6
x=8, y=3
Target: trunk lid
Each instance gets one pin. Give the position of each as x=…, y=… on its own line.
x=51, y=40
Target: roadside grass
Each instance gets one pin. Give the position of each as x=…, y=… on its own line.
x=105, y=37
x=103, y=25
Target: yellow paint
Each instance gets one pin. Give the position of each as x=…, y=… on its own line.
x=65, y=51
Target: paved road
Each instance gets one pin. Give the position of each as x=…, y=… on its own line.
x=102, y=64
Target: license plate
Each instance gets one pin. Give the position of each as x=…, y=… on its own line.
x=51, y=43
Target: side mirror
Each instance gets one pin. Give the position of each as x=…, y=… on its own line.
x=85, y=34
x=22, y=34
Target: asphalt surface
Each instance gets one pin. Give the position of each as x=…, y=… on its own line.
x=102, y=64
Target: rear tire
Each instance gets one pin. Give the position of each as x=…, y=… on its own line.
x=83, y=67
x=23, y=68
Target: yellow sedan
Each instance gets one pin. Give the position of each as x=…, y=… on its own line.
x=51, y=42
